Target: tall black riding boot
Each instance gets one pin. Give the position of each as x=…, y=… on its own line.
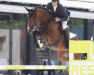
x=66, y=35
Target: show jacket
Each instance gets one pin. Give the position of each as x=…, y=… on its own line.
x=60, y=12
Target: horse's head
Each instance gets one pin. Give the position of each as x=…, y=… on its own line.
x=38, y=16
x=31, y=19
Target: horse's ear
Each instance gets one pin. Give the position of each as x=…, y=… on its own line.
x=30, y=10
x=27, y=9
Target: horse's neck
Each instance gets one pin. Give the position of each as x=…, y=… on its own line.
x=52, y=36
x=43, y=16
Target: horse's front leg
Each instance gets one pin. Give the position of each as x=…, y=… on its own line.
x=42, y=33
x=37, y=41
x=35, y=38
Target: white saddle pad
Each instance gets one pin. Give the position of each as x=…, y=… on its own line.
x=72, y=35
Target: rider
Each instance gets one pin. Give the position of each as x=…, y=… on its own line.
x=61, y=14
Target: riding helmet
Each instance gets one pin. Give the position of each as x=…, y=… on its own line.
x=55, y=0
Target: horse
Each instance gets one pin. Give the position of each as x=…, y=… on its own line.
x=42, y=25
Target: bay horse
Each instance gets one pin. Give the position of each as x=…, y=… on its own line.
x=42, y=25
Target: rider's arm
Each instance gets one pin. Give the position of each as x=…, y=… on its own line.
x=65, y=14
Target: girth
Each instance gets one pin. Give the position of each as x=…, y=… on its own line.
x=54, y=46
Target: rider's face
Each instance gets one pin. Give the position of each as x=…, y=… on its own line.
x=55, y=3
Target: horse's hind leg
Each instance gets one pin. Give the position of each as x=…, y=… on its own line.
x=63, y=56
x=77, y=56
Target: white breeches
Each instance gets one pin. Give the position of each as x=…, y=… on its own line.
x=64, y=24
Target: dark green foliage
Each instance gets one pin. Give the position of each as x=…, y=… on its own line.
x=5, y=24
x=77, y=22
x=19, y=21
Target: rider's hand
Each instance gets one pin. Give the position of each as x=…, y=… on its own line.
x=57, y=19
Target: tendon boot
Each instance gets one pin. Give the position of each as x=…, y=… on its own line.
x=66, y=35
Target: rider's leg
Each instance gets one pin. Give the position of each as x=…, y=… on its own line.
x=66, y=33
